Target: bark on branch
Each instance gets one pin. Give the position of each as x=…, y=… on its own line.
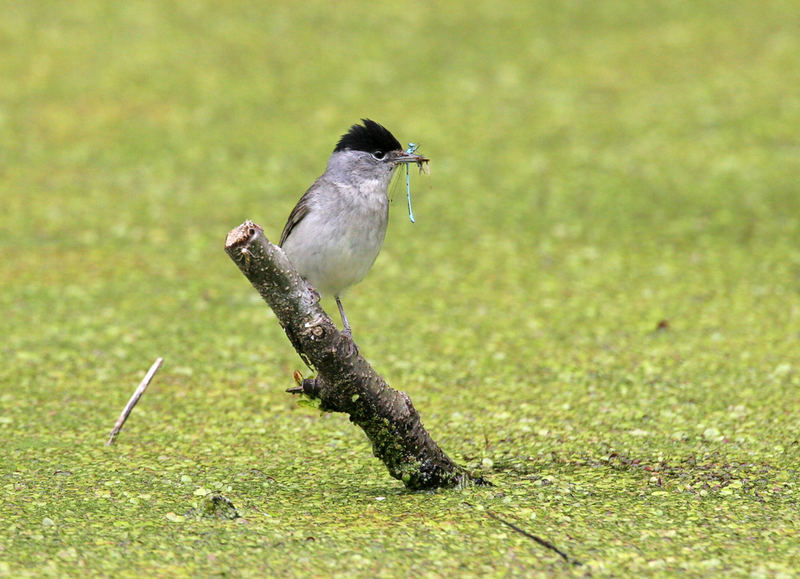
x=345, y=382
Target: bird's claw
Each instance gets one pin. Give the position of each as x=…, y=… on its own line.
x=313, y=290
x=349, y=343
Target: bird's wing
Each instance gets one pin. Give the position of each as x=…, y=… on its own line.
x=298, y=213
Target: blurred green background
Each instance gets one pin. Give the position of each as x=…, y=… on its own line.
x=599, y=304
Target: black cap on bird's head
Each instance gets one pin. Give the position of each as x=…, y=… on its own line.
x=381, y=145
x=369, y=137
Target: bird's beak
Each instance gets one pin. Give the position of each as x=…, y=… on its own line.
x=401, y=157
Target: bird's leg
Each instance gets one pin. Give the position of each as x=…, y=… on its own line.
x=352, y=349
x=347, y=332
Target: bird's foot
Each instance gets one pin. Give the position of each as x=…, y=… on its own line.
x=313, y=290
x=349, y=343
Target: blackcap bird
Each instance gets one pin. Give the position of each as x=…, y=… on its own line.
x=336, y=230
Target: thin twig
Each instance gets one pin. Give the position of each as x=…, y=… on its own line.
x=544, y=543
x=134, y=399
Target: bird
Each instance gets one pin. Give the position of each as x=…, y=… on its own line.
x=336, y=230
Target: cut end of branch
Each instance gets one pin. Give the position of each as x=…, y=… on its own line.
x=242, y=234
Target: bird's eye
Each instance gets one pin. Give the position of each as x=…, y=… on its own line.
x=378, y=155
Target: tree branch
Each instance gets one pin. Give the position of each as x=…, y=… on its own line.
x=345, y=382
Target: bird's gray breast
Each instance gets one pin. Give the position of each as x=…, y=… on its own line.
x=336, y=243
